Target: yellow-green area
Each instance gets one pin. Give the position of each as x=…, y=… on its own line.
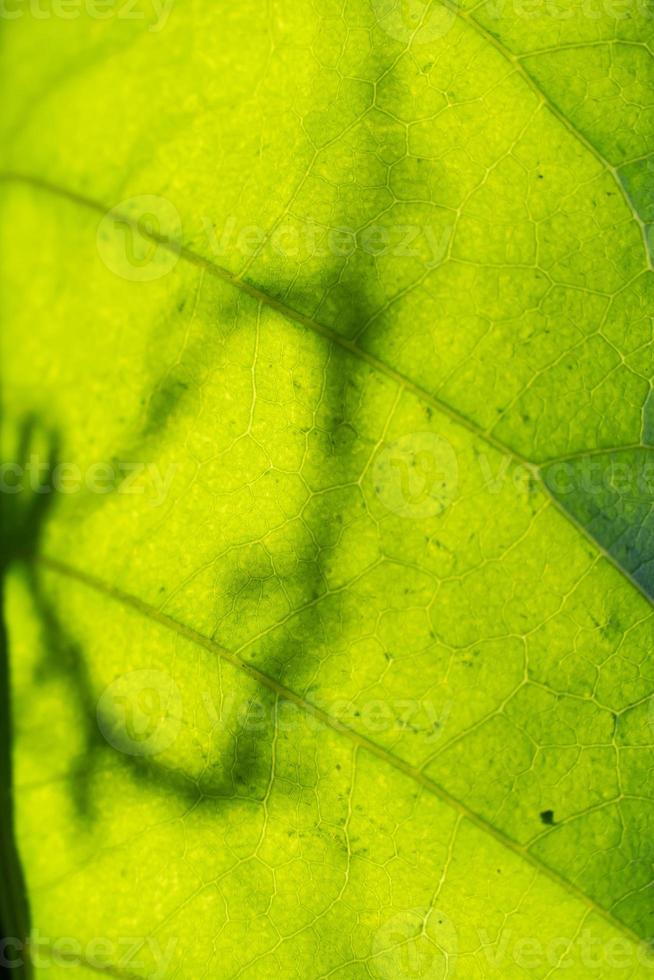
x=328, y=327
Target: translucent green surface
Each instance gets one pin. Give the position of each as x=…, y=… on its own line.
x=327, y=328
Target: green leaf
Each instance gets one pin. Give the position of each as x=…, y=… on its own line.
x=327, y=334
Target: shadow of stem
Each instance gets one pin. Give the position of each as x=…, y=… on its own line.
x=20, y=531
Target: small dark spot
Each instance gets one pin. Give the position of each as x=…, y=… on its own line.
x=180, y=306
x=547, y=817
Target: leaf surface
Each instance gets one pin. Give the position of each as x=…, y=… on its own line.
x=350, y=676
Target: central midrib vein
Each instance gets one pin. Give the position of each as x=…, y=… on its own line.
x=361, y=741
x=343, y=342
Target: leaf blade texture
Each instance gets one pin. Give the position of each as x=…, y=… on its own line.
x=350, y=674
